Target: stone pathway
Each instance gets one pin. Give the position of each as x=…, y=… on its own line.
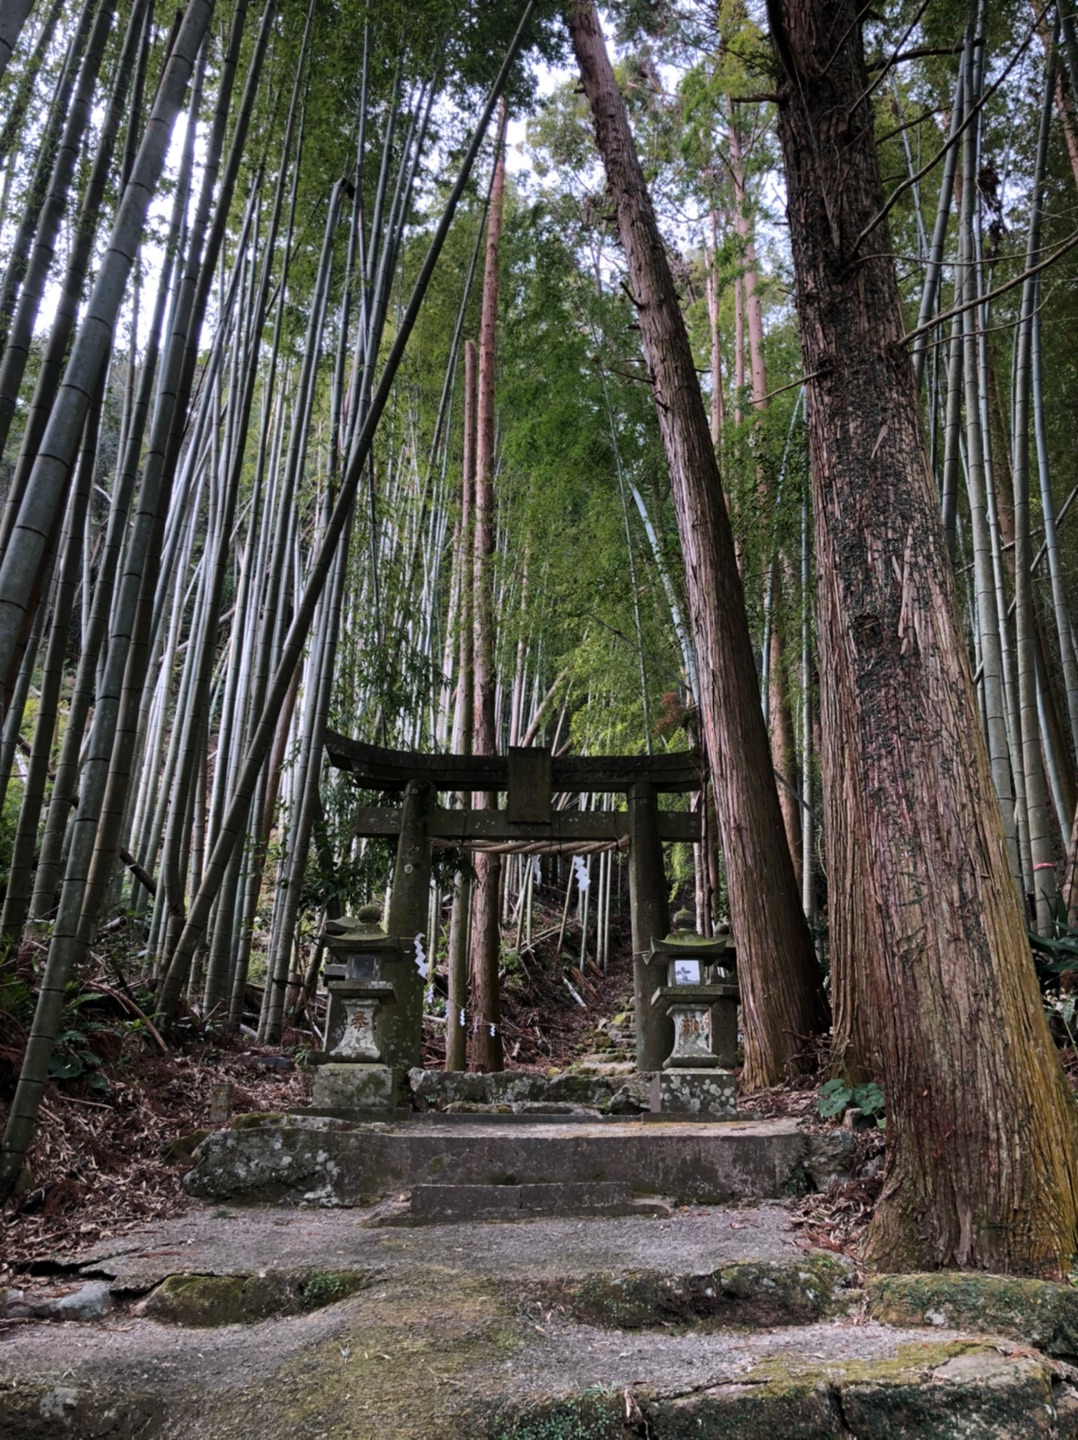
x=710, y=1323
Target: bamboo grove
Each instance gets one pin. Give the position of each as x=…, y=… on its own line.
x=287, y=443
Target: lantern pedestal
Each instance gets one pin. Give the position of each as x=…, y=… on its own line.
x=690, y=1008
x=353, y=1087
x=706, y=1094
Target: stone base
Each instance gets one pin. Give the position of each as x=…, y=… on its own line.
x=513, y=1090
x=356, y=1087
x=711, y=1094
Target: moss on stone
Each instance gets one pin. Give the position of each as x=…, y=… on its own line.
x=747, y=1293
x=208, y=1300
x=440, y=1355
x=916, y=1359
x=256, y=1119
x=420, y=1365
x=319, y=1288
x=980, y=1393
x=201, y=1300
x=183, y=1146
x=805, y=1409
x=935, y=1391
x=1040, y=1312
x=34, y=1410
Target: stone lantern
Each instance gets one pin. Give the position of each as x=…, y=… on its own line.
x=362, y=1064
x=356, y=985
x=684, y=966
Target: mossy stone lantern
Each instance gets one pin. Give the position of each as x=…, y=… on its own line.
x=362, y=994
x=684, y=965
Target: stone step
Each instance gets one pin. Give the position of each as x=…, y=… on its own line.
x=709, y=1325
x=320, y=1160
x=435, y=1204
x=886, y=1387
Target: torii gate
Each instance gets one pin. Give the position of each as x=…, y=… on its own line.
x=531, y=776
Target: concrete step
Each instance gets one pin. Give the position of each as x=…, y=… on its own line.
x=321, y=1160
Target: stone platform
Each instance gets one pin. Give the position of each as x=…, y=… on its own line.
x=303, y=1159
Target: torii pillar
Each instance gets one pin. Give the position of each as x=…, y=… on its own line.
x=650, y=916
x=409, y=908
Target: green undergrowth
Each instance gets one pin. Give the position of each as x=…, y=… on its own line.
x=579, y=1417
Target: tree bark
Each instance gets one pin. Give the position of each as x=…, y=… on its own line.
x=781, y=994
x=486, y=929
x=982, y=1142
x=780, y=719
x=456, y=1040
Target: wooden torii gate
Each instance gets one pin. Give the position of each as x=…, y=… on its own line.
x=530, y=777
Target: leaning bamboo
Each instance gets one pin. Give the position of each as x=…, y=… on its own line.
x=43, y=249
x=24, y=556
x=262, y=736
x=49, y=480
x=12, y=19
x=1044, y=876
x=987, y=618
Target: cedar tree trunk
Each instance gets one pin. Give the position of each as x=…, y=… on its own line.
x=781, y=994
x=456, y=1034
x=926, y=931
x=486, y=904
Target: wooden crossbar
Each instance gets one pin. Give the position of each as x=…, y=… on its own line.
x=384, y=769
x=481, y=828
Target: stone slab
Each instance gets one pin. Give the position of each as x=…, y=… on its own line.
x=745, y=1294
x=220, y=1240
x=465, y=1202
x=301, y=1160
x=575, y=1198
x=464, y=1359
x=991, y=1396
x=711, y=1093
x=513, y=1202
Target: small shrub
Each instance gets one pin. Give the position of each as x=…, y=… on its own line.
x=836, y=1097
